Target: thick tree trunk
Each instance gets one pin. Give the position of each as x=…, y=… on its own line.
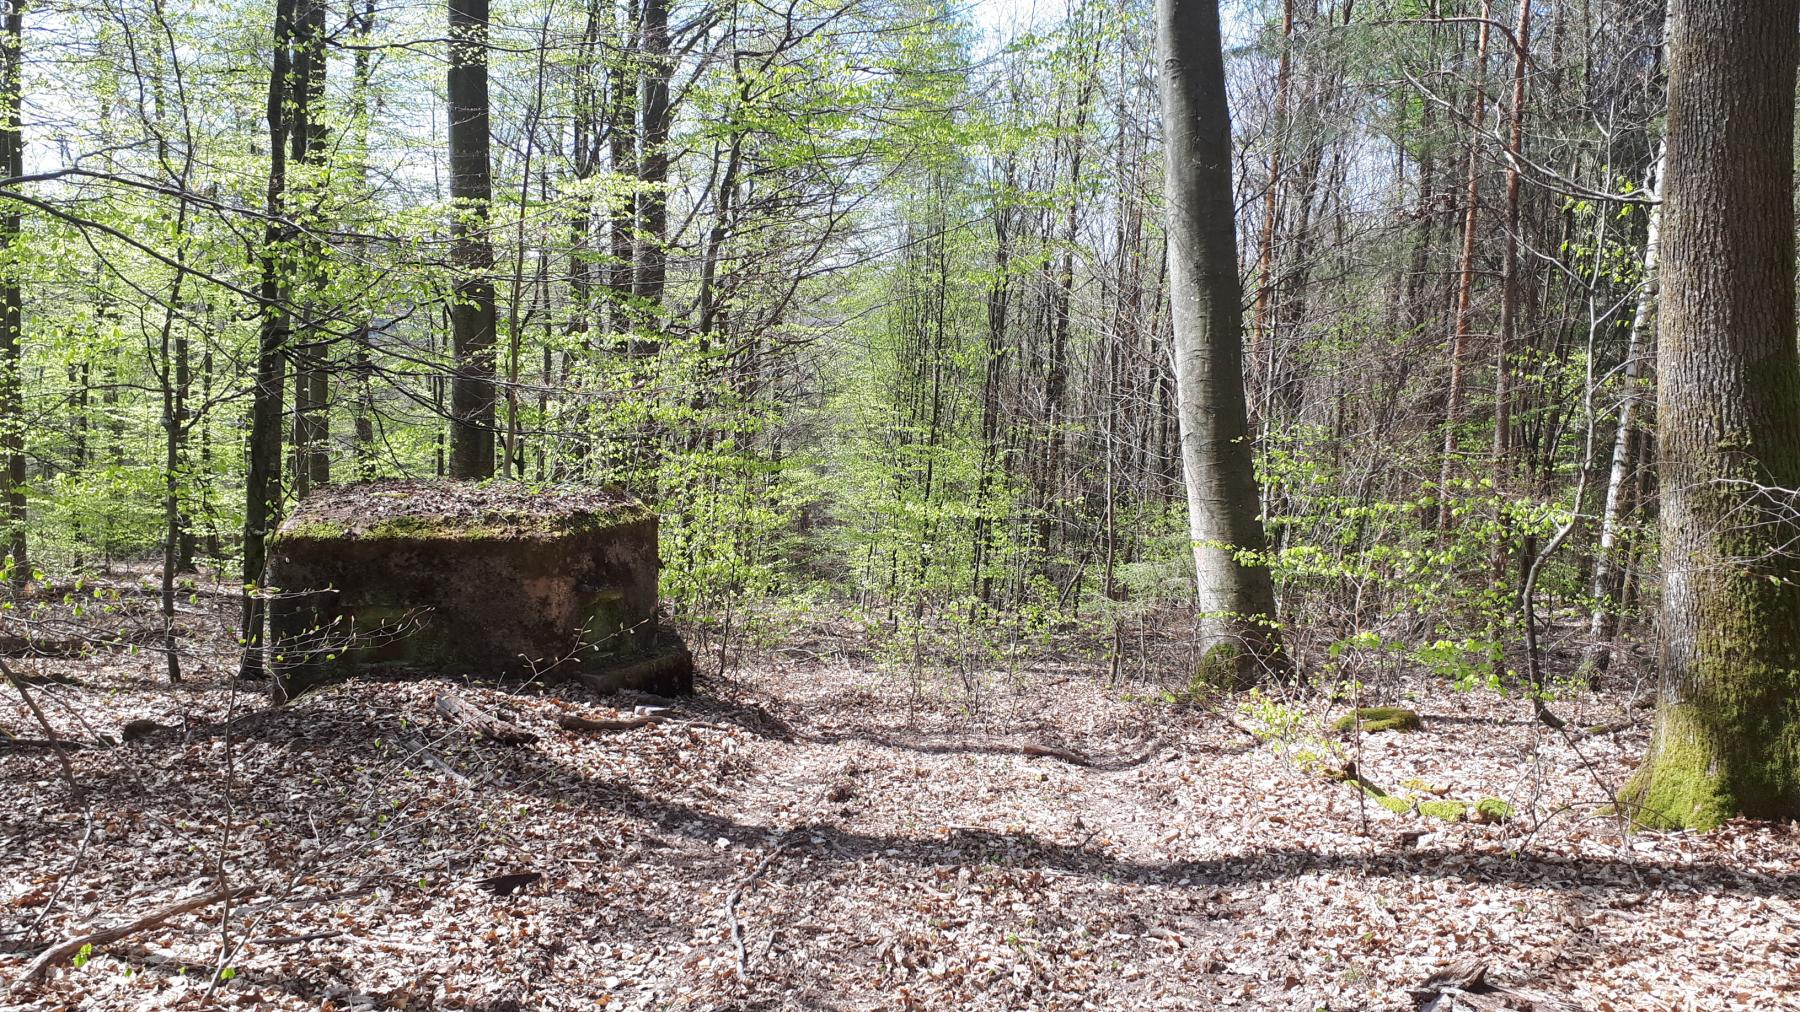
x=1237, y=599
x=472, y=253
x=1727, y=738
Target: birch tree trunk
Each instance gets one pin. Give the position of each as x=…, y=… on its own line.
x=1727, y=738
x=1237, y=599
x=1609, y=572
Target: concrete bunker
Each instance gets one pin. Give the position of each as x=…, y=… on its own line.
x=496, y=580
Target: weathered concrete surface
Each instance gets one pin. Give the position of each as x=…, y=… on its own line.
x=495, y=580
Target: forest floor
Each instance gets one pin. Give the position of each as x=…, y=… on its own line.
x=817, y=832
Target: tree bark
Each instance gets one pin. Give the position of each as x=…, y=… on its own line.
x=309, y=146
x=472, y=251
x=1727, y=738
x=262, y=486
x=1465, y=284
x=653, y=159
x=12, y=303
x=1609, y=571
x=1236, y=597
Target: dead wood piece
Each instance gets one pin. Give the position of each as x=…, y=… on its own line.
x=1613, y=727
x=737, y=933
x=141, y=728
x=506, y=885
x=435, y=761
x=476, y=719
x=312, y=936
x=67, y=948
x=1072, y=758
x=573, y=722
x=54, y=744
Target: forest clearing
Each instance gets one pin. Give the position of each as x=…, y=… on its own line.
x=882, y=842
x=917, y=504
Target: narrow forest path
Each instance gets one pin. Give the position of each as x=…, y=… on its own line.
x=879, y=842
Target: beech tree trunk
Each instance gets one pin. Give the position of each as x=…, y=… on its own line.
x=653, y=159
x=262, y=486
x=1237, y=599
x=12, y=417
x=472, y=252
x=1727, y=738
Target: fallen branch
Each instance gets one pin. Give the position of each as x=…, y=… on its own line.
x=476, y=719
x=1073, y=758
x=573, y=722
x=576, y=722
x=64, y=950
x=297, y=939
x=737, y=934
x=61, y=744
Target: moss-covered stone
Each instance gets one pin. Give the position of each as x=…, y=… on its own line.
x=1399, y=806
x=1380, y=718
x=1492, y=810
x=1446, y=809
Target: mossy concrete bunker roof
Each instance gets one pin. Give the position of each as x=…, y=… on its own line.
x=441, y=510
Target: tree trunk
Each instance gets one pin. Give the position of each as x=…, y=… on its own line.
x=12, y=303
x=1609, y=571
x=1237, y=598
x=1727, y=738
x=309, y=146
x=262, y=486
x=653, y=159
x=1465, y=284
x=472, y=252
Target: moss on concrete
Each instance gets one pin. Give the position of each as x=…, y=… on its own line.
x=495, y=527
x=1380, y=718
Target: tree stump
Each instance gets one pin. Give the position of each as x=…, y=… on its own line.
x=496, y=580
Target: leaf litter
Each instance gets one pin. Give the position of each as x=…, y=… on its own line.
x=816, y=832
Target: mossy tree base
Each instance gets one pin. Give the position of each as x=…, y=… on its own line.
x=1380, y=718
x=494, y=580
x=1696, y=777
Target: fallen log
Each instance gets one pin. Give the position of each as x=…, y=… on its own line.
x=476, y=719
x=1072, y=758
x=68, y=947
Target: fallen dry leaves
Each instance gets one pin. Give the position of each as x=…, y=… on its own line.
x=925, y=860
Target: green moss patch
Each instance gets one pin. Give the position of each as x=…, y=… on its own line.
x=457, y=511
x=1444, y=808
x=1380, y=718
x=1492, y=810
